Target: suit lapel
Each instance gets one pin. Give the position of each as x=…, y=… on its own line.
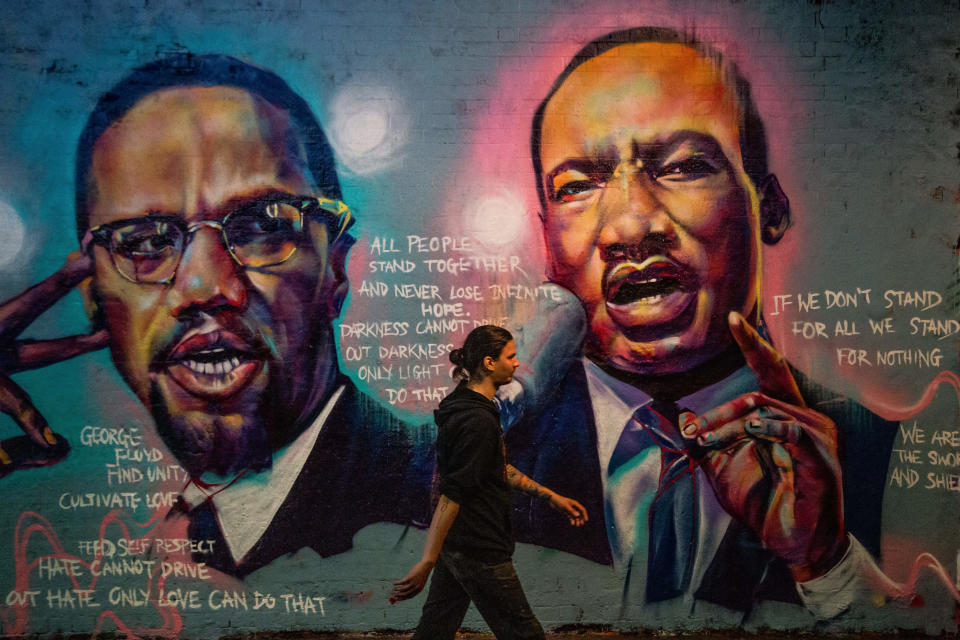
x=558, y=448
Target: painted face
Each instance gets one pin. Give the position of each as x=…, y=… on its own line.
x=505, y=365
x=229, y=360
x=651, y=220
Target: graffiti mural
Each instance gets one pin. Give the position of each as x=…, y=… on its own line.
x=235, y=262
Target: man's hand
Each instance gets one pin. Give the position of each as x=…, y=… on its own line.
x=413, y=583
x=575, y=512
x=773, y=462
x=39, y=447
x=443, y=518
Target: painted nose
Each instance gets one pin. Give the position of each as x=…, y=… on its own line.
x=631, y=208
x=208, y=278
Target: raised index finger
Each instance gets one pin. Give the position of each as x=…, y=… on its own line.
x=18, y=312
x=770, y=367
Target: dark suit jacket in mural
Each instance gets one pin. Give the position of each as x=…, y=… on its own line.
x=366, y=466
x=557, y=447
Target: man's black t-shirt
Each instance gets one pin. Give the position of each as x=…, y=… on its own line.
x=472, y=469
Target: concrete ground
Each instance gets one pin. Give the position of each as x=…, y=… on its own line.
x=599, y=634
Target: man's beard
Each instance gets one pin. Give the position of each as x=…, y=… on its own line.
x=242, y=432
x=224, y=444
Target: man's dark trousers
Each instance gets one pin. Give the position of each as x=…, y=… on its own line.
x=494, y=588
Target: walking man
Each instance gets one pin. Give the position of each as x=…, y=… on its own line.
x=470, y=541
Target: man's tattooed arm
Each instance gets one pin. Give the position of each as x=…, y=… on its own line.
x=522, y=483
x=575, y=512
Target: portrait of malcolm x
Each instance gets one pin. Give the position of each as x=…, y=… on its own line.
x=213, y=241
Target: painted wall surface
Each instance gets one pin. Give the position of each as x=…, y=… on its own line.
x=248, y=371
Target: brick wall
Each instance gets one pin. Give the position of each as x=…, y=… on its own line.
x=428, y=108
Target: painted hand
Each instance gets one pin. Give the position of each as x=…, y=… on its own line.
x=773, y=464
x=575, y=512
x=412, y=583
x=546, y=344
x=39, y=447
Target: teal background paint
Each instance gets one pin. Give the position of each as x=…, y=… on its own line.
x=862, y=104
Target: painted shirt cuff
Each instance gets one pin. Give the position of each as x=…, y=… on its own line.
x=832, y=593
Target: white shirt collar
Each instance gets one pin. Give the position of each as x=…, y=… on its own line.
x=246, y=505
x=616, y=401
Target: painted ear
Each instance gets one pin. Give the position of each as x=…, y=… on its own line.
x=338, y=285
x=774, y=210
x=92, y=304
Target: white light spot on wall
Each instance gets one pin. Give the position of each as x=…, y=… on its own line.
x=497, y=220
x=365, y=131
x=368, y=128
x=12, y=234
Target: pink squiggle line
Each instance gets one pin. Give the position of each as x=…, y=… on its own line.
x=908, y=590
x=23, y=569
x=172, y=622
x=47, y=530
x=903, y=413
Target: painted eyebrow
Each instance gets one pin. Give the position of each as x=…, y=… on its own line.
x=239, y=200
x=221, y=210
x=586, y=166
x=703, y=143
x=655, y=150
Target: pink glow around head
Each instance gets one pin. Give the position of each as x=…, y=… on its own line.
x=498, y=156
x=499, y=152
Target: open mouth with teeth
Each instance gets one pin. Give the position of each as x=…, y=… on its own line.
x=655, y=292
x=214, y=365
x=642, y=289
x=213, y=362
